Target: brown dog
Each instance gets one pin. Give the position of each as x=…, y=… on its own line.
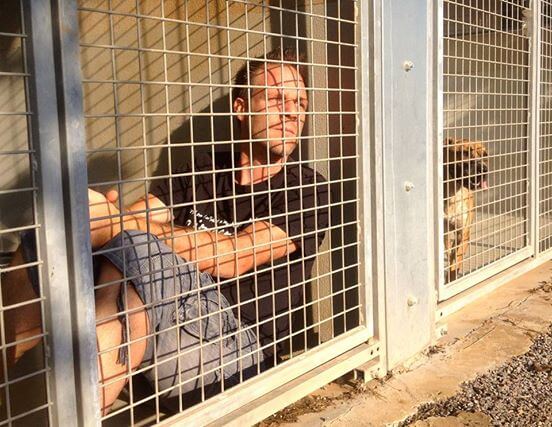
x=465, y=170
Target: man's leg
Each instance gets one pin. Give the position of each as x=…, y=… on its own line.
x=169, y=275
x=187, y=355
x=23, y=323
x=114, y=372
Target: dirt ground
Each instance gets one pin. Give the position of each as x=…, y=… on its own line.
x=338, y=392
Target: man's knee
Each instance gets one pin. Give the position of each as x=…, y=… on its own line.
x=116, y=295
x=121, y=331
x=121, y=318
x=154, y=269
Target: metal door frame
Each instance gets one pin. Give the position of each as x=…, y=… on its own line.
x=447, y=291
x=56, y=278
x=59, y=99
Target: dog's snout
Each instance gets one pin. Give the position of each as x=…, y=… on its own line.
x=478, y=167
x=483, y=168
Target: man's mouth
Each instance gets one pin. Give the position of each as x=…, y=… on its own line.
x=285, y=131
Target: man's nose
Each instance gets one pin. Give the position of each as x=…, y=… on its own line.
x=290, y=109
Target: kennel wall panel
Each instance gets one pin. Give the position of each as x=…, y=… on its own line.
x=156, y=84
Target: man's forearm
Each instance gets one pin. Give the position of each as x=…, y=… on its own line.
x=219, y=254
x=215, y=253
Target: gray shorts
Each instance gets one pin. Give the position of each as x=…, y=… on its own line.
x=197, y=345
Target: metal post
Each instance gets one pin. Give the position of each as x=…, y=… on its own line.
x=408, y=158
x=364, y=98
x=73, y=142
x=438, y=178
x=45, y=135
x=371, y=46
x=534, y=132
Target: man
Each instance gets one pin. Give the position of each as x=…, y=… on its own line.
x=197, y=283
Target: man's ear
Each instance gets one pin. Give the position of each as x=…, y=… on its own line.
x=240, y=108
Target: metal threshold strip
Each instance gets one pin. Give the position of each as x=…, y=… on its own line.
x=450, y=290
x=261, y=387
x=446, y=308
x=286, y=394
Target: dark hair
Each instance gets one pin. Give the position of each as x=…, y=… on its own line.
x=244, y=75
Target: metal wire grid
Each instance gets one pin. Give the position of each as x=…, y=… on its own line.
x=486, y=92
x=545, y=142
x=18, y=196
x=152, y=72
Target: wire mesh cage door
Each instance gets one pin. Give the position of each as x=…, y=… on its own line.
x=17, y=149
x=223, y=138
x=544, y=158
x=37, y=364
x=487, y=208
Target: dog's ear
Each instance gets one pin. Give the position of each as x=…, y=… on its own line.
x=449, y=150
x=484, y=152
x=478, y=150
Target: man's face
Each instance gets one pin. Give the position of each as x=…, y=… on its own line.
x=278, y=110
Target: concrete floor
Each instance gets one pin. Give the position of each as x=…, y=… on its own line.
x=480, y=336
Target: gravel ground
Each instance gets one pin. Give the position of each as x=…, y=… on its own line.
x=518, y=393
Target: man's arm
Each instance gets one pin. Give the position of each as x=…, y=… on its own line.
x=221, y=255
x=152, y=207
x=217, y=254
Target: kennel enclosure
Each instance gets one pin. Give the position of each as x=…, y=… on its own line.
x=112, y=95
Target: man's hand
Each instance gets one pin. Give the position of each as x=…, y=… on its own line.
x=104, y=218
x=151, y=207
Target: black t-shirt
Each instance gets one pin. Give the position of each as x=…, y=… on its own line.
x=295, y=200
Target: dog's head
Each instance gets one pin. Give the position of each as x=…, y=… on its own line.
x=466, y=162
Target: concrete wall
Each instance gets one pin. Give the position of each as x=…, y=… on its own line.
x=179, y=99
x=138, y=163
x=130, y=152
x=495, y=111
